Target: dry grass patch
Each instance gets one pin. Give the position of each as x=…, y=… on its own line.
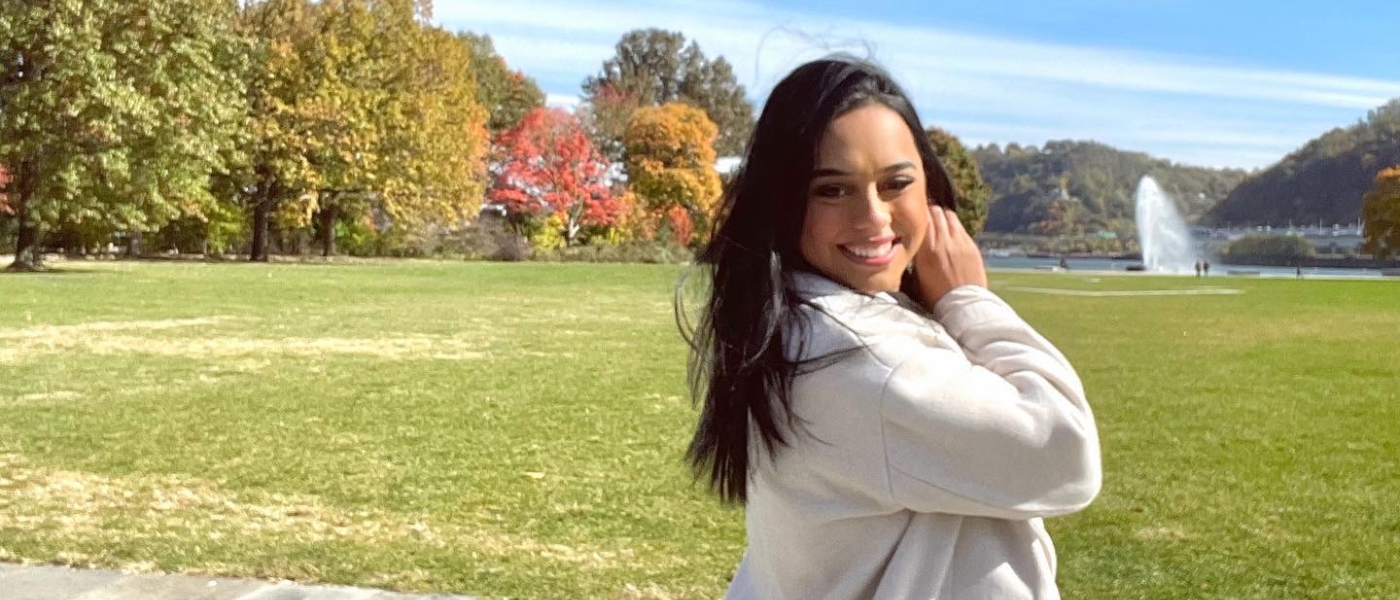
x=112, y=339
x=77, y=505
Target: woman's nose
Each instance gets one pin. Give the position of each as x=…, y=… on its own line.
x=874, y=211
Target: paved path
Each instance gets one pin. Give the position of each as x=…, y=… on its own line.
x=31, y=582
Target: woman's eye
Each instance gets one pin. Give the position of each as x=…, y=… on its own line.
x=899, y=184
x=830, y=191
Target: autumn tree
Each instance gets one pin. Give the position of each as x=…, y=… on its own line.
x=547, y=169
x=1380, y=210
x=278, y=33
x=362, y=106
x=605, y=116
x=506, y=94
x=5, y=209
x=670, y=164
x=652, y=67
x=114, y=113
x=973, y=193
x=440, y=136
x=343, y=117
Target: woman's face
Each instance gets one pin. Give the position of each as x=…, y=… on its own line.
x=867, y=204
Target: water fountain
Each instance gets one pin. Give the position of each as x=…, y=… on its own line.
x=1166, y=243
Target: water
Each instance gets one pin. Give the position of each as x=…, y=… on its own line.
x=1216, y=269
x=1166, y=243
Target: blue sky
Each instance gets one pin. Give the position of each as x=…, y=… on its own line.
x=1235, y=84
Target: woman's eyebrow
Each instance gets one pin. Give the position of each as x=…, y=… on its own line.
x=834, y=172
x=829, y=172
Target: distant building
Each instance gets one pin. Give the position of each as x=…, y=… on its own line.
x=1334, y=239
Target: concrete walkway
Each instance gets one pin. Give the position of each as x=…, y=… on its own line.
x=33, y=582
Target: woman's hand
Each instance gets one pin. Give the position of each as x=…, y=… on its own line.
x=947, y=259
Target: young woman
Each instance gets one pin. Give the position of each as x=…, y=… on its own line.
x=893, y=429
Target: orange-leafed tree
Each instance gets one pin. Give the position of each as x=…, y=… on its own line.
x=671, y=163
x=4, y=199
x=547, y=171
x=1380, y=209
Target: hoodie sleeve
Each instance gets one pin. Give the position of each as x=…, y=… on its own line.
x=1004, y=432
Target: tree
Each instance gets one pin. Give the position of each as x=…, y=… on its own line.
x=114, y=113
x=506, y=94
x=277, y=33
x=440, y=137
x=546, y=168
x=5, y=209
x=670, y=162
x=361, y=106
x=605, y=116
x=1282, y=250
x=654, y=67
x=973, y=192
x=1381, y=214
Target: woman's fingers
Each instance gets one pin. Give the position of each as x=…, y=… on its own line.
x=955, y=224
x=940, y=227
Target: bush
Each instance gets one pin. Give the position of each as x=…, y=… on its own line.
x=1269, y=250
x=512, y=248
x=487, y=239
x=654, y=252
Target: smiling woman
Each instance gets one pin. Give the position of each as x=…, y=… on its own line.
x=868, y=201
x=893, y=428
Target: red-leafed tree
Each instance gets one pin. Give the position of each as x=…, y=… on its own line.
x=546, y=167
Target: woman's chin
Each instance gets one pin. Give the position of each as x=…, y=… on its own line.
x=874, y=283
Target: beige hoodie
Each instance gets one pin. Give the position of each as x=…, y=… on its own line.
x=928, y=460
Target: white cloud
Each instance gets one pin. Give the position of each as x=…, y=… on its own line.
x=1183, y=108
x=565, y=101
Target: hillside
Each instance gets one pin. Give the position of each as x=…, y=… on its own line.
x=1073, y=187
x=1322, y=181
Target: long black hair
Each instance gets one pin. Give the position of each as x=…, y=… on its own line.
x=738, y=371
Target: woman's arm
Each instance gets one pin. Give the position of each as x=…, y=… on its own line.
x=1008, y=436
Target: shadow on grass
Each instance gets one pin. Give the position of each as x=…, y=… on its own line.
x=47, y=271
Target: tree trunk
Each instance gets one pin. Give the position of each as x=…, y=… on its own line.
x=133, y=245
x=261, y=211
x=29, y=253
x=328, y=217
x=29, y=256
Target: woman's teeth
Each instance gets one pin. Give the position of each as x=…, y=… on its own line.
x=875, y=251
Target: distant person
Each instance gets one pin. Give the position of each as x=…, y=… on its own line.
x=1064, y=264
x=1300, y=271
x=1198, y=269
x=891, y=433
x=1205, y=268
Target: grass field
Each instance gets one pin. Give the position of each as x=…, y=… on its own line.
x=516, y=430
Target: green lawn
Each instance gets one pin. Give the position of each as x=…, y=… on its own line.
x=516, y=430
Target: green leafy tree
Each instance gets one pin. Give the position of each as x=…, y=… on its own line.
x=973, y=192
x=361, y=106
x=506, y=94
x=652, y=67
x=1269, y=249
x=277, y=33
x=114, y=113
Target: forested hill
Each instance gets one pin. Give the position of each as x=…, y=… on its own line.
x=1071, y=187
x=1322, y=181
